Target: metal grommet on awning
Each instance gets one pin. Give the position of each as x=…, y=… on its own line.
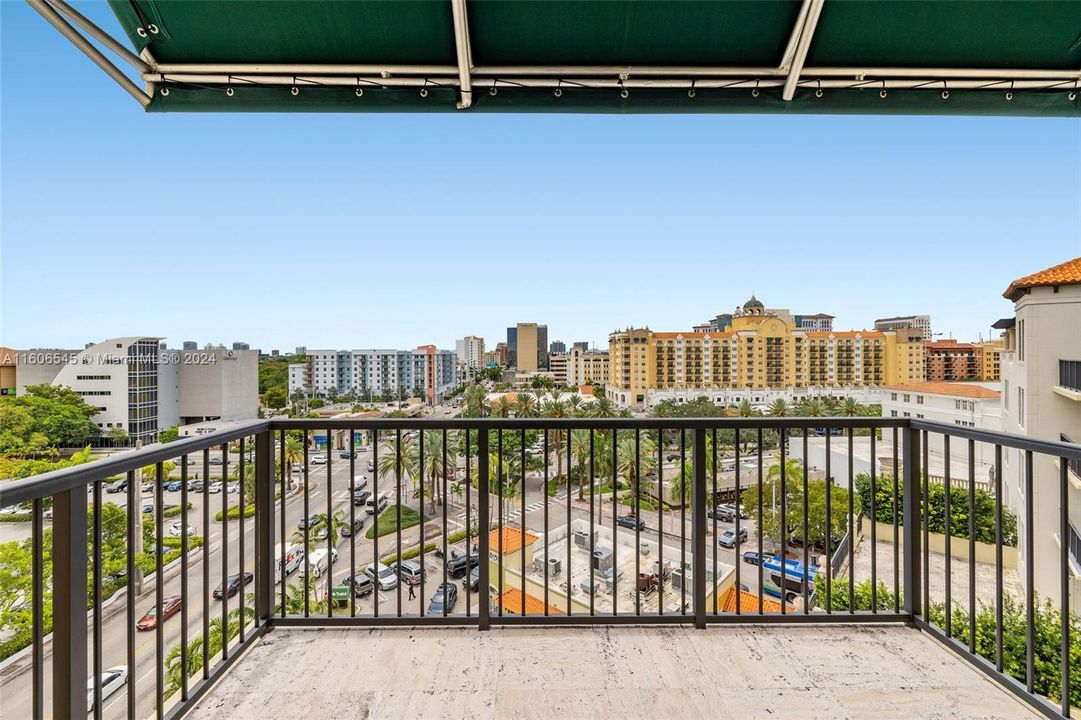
x=424, y=92
x=559, y=90
x=359, y=92
x=140, y=32
x=230, y=92
x=152, y=28
x=294, y=91
x=1009, y=93
x=755, y=92
x=945, y=91
x=882, y=92
x=492, y=90
x=690, y=93
x=164, y=91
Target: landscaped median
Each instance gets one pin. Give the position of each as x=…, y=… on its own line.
x=387, y=522
x=249, y=509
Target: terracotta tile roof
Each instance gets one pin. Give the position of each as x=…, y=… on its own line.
x=968, y=390
x=1067, y=273
x=748, y=602
x=512, y=539
x=511, y=602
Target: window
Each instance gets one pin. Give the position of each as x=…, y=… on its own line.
x=1021, y=407
x=919, y=399
x=908, y=398
x=893, y=413
x=893, y=396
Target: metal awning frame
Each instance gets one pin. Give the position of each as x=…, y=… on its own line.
x=789, y=75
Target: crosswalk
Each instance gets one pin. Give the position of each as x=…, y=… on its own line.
x=514, y=514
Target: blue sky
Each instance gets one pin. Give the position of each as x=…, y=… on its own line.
x=396, y=230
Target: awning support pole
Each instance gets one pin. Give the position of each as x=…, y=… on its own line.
x=803, y=45
x=797, y=29
x=465, y=53
x=100, y=35
x=49, y=13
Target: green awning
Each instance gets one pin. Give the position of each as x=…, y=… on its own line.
x=985, y=57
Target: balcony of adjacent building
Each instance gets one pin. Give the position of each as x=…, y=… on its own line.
x=1069, y=379
x=655, y=567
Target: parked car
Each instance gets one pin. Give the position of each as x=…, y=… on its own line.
x=233, y=585
x=360, y=482
x=119, y=486
x=347, y=454
x=751, y=558
x=177, y=528
x=724, y=513
x=629, y=521
x=385, y=576
x=458, y=566
x=446, y=594
x=319, y=460
x=672, y=457
x=111, y=680
x=174, y=486
x=728, y=537
x=148, y=508
x=360, y=497
x=232, y=488
x=371, y=466
x=148, y=486
x=349, y=531
x=214, y=487
x=473, y=581
x=215, y=460
x=410, y=572
x=169, y=607
x=195, y=485
x=361, y=583
x=374, y=505
x=307, y=522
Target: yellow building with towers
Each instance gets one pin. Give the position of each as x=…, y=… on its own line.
x=759, y=349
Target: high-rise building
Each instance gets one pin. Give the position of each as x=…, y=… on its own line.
x=470, y=351
x=557, y=347
x=527, y=347
x=760, y=349
x=190, y=345
x=582, y=345
x=949, y=360
x=241, y=346
x=579, y=367
x=503, y=352
x=906, y=322
x=1041, y=398
x=819, y=322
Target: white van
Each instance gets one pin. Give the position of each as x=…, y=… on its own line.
x=360, y=482
x=294, y=558
x=317, y=561
x=376, y=504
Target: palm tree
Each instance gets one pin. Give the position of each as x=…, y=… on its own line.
x=337, y=521
x=626, y=465
x=526, y=405
x=779, y=408
x=745, y=409
x=388, y=460
x=294, y=455
x=602, y=407
x=813, y=408
x=850, y=407
x=580, y=450
x=434, y=467
x=556, y=408
x=457, y=490
x=502, y=407
x=475, y=400
x=574, y=404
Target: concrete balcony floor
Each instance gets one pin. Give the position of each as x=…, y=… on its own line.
x=835, y=671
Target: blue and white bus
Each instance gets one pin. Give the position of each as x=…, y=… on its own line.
x=793, y=581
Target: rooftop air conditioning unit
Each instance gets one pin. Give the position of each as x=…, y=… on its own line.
x=538, y=564
x=583, y=538
x=555, y=567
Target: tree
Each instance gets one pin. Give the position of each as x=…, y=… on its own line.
x=779, y=408
x=633, y=467
x=320, y=526
x=503, y=407
x=434, y=467
x=745, y=409
x=168, y=435
x=850, y=407
x=294, y=455
x=46, y=417
x=790, y=498
x=525, y=405
x=117, y=436
x=475, y=401
x=276, y=398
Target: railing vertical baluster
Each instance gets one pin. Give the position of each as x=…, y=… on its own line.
x=184, y=601
x=352, y=523
x=998, y=558
x=637, y=495
x=243, y=556
x=287, y=474
x=698, y=528
x=567, y=572
x=851, y=527
x=615, y=544
x=784, y=523
x=502, y=529
x=546, y=566
x=683, y=521
x=69, y=601
x=896, y=529
x=911, y=510
x=398, y=515
x=225, y=552
x=264, y=528
x=484, y=615
x=947, y=559
x=1030, y=578
x=874, y=524
x=972, y=546
x=376, y=589
x=1064, y=576
x=713, y=504
x=592, y=523
x=134, y=579
x=660, y=522
x=37, y=605
x=98, y=630
x=206, y=572
x=443, y=502
x=329, y=523
x=521, y=519
x=469, y=523
x=926, y=503
x=307, y=546
x=760, y=558
x=159, y=588
x=829, y=521
x=806, y=582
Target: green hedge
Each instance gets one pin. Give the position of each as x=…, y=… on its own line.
x=387, y=522
x=10, y=517
x=173, y=511
x=408, y=554
x=1047, y=680
x=249, y=509
x=936, y=509
x=643, y=502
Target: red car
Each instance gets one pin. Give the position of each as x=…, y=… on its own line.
x=169, y=607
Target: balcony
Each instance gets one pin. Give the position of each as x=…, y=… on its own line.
x=592, y=599
x=1069, y=379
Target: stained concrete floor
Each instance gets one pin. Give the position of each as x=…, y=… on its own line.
x=743, y=672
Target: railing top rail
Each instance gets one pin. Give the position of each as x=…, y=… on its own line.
x=57, y=481
x=651, y=423
x=995, y=437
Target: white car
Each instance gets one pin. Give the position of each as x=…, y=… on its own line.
x=214, y=487
x=319, y=460
x=386, y=577
x=178, y=527
x=232, y=488
x=111, y=680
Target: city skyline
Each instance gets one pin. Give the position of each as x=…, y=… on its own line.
x=322, y=230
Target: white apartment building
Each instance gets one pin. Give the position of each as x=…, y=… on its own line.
x=762, y=398
x=904, y=322
x=1041, y=398
x=365, y=373
x=962, y=404
x=470, y=351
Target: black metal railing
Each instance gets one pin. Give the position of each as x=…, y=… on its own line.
x=488, y=522
x=1069, y=374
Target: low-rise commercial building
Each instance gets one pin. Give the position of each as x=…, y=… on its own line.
x=948, y=360
x=962, y=404
x=578, y=368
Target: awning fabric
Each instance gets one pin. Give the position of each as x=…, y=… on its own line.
x=872, y=57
